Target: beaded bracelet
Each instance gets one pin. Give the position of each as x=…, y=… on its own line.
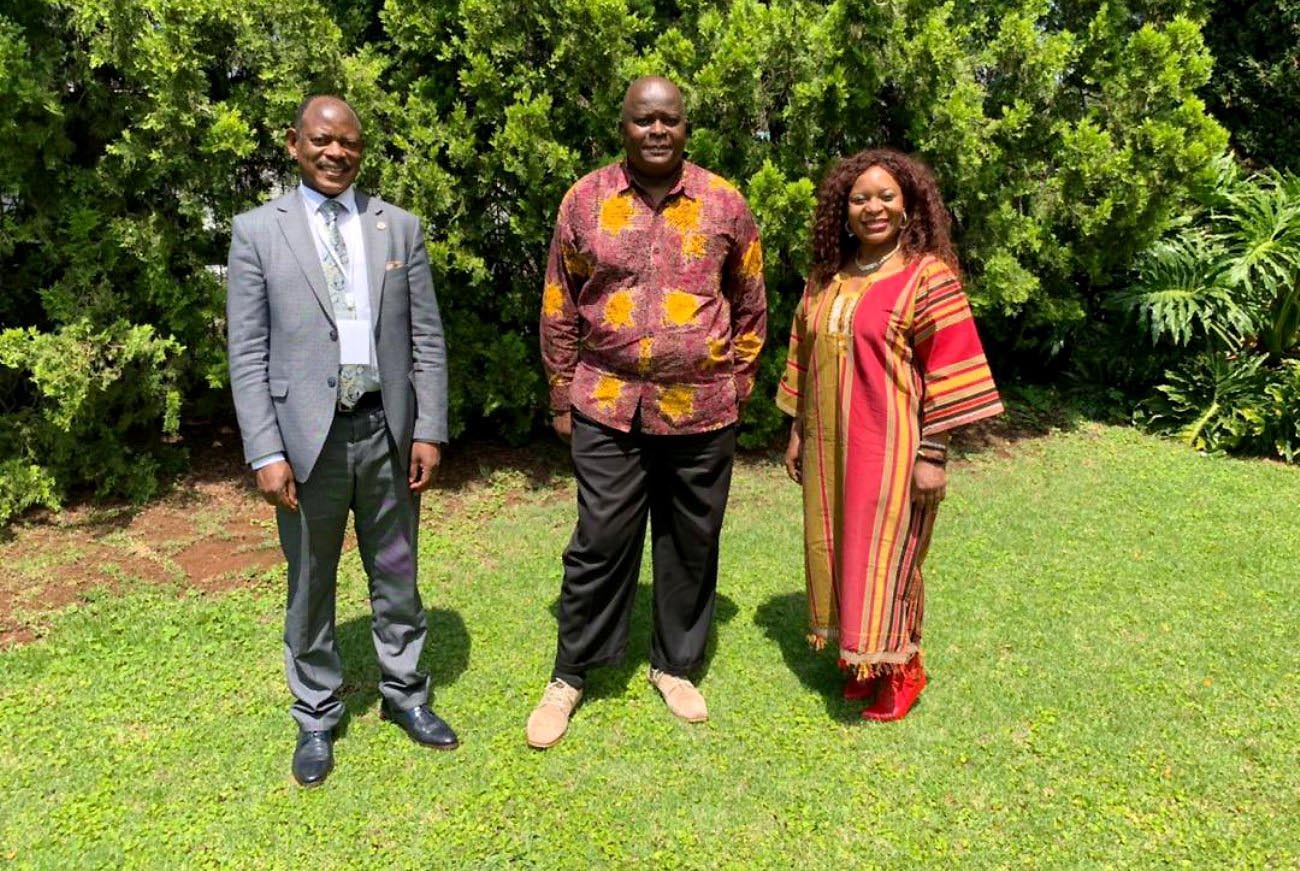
x=933, y=452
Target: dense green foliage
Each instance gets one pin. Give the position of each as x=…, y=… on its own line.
x=1224, y=290
x=131, y=133
x=1065, y=138
x=1109, y=628
x=1256, y=91
x=1063, y=145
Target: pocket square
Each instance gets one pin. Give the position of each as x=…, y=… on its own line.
x=394, y=264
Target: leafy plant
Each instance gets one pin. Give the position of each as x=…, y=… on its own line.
x=1183, y=291
x=1226, y=286
x=1262, y=242
x=1064, y=137
x=1214, y=402
x=85, y=404
x=131, y=133
x=1256, y=91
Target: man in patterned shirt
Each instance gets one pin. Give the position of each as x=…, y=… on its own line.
x=653, y=315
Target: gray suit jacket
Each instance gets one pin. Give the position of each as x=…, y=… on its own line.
x=283, y=341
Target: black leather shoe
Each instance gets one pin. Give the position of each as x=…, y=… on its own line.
x=423, y=725
x=313, y=758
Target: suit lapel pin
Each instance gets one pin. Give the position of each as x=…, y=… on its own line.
x=381, y=226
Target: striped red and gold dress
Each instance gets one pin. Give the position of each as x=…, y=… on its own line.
x=874, y=364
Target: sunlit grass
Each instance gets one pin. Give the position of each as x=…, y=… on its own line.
x=1112, y=636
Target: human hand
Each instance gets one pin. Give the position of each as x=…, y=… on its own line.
x=794, y=455
x=929, y=483
x=275, y=483
x=563, y=426
x=425, y=458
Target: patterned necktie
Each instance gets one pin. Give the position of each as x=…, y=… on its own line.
x=335, y=264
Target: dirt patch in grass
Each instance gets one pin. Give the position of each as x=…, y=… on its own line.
x=160, y=525
x=217, y=564
x=46, y=566
x=996, y=436
x=210, y=531
x=12, y=633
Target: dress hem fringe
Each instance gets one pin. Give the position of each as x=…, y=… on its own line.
x=864, y=666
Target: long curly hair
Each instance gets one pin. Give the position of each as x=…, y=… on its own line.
x=928, y=230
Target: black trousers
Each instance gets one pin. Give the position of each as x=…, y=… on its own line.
x=680, y=482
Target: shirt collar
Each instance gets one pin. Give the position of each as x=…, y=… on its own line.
x=313, y=198
x=687, y=182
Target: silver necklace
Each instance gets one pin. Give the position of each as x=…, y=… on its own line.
x=868, y=268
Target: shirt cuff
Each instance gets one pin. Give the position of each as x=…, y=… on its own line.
x=262, y=462
x=561, y=403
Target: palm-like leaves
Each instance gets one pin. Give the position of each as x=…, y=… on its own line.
x=1262, y=232
x=1232, y=275
x=1213, y=403
x=1182, y=292
x=1228, y=282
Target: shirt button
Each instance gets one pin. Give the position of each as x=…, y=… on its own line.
x=330, y=381
x=334, y=335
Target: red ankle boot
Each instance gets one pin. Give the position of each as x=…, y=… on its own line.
x=860, y=690
x=898, y=693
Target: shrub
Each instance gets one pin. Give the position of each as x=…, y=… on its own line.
x=1064, y=142
x=1256, y=91
x=1226, y=286
x=131, y=133
x=99, y=402
x=1065, y=137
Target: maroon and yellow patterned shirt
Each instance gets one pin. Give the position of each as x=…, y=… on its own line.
x=658, y=309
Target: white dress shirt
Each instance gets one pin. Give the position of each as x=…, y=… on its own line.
x=350, y=229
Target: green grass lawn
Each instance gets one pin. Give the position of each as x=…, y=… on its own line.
x=1113, y=639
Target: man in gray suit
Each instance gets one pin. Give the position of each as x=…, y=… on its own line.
x=338, y=369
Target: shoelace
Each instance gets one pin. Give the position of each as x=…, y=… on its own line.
x=557, y=693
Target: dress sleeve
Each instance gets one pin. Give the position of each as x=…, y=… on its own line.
x=958, y=386
x=789, y=393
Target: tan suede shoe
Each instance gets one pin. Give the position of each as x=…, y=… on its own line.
x=550, y=719
x=681, y=696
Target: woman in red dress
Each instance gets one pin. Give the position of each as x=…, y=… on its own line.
x=884, y=363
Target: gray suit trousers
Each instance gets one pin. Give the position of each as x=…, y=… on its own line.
x=359, y=470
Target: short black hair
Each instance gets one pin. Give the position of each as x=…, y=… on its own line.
x=312, y=98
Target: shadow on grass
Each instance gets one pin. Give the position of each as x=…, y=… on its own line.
x=543, y=464
x=445, y=658
x=613, y=679
x=784, y=619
